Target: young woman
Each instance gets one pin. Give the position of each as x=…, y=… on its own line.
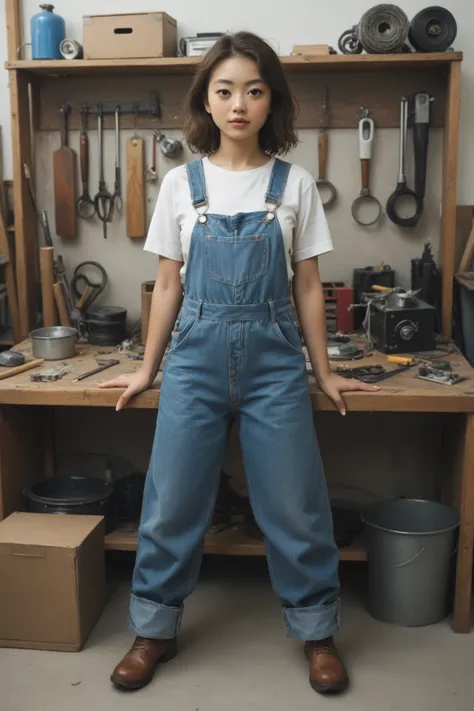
x=235, y=228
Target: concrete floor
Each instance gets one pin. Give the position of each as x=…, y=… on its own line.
x=235, y=656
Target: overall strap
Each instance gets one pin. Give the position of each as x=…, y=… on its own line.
x=276, y=186
x=197, y=183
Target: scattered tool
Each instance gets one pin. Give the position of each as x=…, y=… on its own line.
x=21, y=368
x=103, y=364
x=170, y=147
x=91, y=289
x=103, y=201
x=50, y=375
x=426, y=278
x=136, y=212
x=64, y=164
x=433, y=29
x=440, y=372
x=85, y=205
x=402, y=360
x=61, y=304
x=366, y=209
x=47, y=262
x=118, y=172
x=326, y=189
x=47, y=281
x=382, y=29
x=11, y=358
x=151, y=173
x=70, y=49
x=370, y=373
x=421, y=134
x=403, y=196
x=398, y=321
x=343, y=351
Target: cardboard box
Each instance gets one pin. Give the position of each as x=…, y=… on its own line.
x=129, y=36
x=311, y=50
x=52, y=580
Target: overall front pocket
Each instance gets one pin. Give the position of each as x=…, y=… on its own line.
x=236, y=260
x=287, y=330
x=182, y=329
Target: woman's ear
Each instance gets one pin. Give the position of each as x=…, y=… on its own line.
x=206, y=104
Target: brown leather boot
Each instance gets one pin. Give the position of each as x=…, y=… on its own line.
x=138, y=666
x=327, y=674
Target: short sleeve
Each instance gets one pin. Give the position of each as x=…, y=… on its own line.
x=164, y=232
x=311, y=236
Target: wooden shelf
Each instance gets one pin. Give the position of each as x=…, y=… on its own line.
x=186, y=65
x=229, y=542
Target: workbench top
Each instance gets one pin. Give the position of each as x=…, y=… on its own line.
x=401, y=393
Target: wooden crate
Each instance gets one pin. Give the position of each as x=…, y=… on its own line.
x=147, y=293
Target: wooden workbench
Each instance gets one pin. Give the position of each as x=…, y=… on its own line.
x=26, y=448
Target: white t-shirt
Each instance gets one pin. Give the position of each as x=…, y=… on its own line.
x=301, y=214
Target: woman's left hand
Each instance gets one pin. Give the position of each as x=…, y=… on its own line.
x=333, y=385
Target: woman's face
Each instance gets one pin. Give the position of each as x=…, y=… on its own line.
x=238, y=99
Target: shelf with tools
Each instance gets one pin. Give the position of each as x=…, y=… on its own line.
x=186, y=65
x=352, y=80
x=231, y=541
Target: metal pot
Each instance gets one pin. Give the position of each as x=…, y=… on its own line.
x=56, y=343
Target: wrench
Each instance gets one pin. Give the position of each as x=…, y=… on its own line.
x=118, y=178
x=151, y=174
x=103, y=201
x=85, y=205
x=103, y=364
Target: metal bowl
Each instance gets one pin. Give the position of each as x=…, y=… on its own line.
x=55, y=343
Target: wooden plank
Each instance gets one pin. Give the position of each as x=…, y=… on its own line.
x=464, y=223
x=402, y=393
x=184, y=65
x=25, y=221
x=21, y=455
x=135, y=207
x=462, y=603
x=9, y=279
x=468, y=254
x=232, y=541
x=347, y=92
x=47, y=281
x=450, y=169
x=147, y=294
x=13, y=21
x=61, y=303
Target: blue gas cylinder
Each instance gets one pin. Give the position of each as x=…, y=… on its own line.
x=47, y=32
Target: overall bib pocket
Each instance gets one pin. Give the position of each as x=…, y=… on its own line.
x=236, y=260
x=287, y=330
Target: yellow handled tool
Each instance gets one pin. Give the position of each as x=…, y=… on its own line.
x=379, y=287
x=401, y=360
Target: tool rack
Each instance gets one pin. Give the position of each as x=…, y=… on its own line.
x=377, y=81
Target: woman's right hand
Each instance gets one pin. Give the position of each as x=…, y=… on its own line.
x=134, y=383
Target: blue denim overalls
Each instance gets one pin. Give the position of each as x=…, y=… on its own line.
x=236, y=354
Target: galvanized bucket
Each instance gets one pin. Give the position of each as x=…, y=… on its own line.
x=410, y=550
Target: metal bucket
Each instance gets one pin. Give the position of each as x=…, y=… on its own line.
x=410, y=550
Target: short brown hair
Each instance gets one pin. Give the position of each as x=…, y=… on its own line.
x=277, y=136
